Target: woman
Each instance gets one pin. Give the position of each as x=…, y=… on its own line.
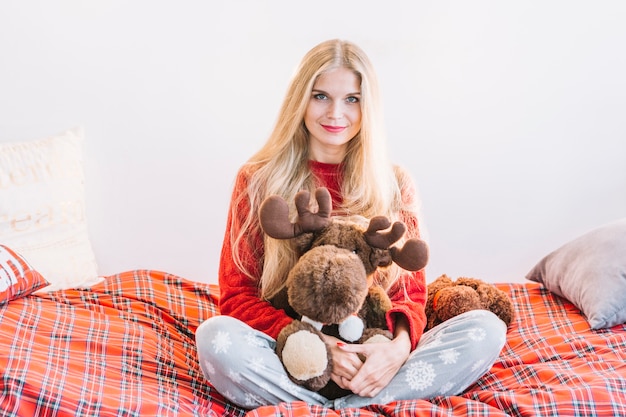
x=329, y=133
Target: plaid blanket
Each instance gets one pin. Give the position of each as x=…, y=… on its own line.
x=553, y=364
x=126, y=348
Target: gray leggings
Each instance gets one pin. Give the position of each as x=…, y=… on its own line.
x=241, y=363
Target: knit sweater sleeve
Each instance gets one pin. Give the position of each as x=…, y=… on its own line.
x=408, y=293
x=239, y=293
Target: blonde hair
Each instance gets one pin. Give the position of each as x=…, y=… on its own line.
x=370, y=186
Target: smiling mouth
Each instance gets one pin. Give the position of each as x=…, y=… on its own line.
x=333, y=129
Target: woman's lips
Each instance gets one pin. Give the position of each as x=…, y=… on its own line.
x=333, y=129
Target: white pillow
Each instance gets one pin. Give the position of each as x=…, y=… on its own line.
x=42, y=208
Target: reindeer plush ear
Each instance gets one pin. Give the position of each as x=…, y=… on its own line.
x=274, y=214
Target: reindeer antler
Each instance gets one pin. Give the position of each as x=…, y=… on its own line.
x=274, y=214
x=413, y=255
x=382, y=240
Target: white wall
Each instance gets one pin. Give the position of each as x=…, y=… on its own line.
x=510, y=115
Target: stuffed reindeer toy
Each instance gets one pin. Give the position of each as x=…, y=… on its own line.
x=330, y=289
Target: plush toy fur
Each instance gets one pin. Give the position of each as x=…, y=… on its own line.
x=448, y=298
x=330, y=288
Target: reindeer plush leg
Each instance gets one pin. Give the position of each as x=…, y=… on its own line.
x=304, y=355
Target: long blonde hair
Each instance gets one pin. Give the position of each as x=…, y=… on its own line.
x=370, y=186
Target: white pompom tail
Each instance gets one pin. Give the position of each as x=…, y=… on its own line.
x=351, y=329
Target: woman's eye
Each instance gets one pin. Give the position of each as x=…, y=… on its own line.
x=352, y=99
x=320, y=96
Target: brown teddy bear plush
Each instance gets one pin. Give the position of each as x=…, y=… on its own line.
x=448, y=298
x=330, y=289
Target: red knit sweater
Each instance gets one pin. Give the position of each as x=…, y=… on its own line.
x=240, y=294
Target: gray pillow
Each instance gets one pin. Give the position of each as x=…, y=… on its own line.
x=590, y=272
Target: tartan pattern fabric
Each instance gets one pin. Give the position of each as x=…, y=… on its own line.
x=126, y=348
x=553, y=364
x=17, y=277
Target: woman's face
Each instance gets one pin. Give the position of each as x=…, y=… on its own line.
x=333, y=115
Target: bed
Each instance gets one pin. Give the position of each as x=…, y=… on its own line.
x=126, y=347
x=73, y=343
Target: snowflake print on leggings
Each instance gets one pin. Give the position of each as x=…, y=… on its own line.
x=420, y=375
x=449, y=356
x=221, y=342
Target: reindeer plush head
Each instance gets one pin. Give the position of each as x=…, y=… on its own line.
x=337, y=256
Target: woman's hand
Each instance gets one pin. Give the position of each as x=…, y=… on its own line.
x=346, y=364
x=382, y=363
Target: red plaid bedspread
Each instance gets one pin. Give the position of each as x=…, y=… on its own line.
x=126, y=348
x=553, y=364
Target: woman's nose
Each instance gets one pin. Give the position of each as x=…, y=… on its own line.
x=335, y=111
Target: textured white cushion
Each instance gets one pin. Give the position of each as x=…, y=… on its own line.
x=42, y=208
